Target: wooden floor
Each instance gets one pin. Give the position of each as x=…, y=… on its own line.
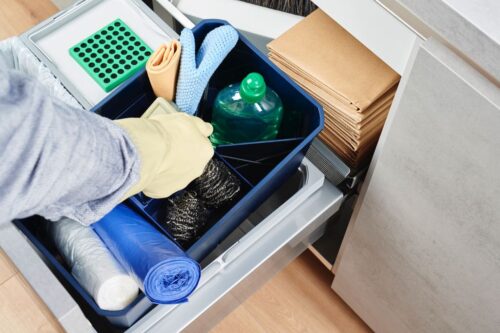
x=298, y=299
x=21, y=310
x=17, y=16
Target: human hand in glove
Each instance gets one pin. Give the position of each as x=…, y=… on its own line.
x=173, y=150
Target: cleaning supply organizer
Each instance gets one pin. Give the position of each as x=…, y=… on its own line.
x=261, y=167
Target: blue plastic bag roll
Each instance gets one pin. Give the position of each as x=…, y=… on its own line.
x=162, y=269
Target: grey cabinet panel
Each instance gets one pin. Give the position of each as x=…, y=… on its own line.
x=423, y=252
x=471, y=27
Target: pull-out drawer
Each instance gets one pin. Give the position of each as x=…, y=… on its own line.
x=254, y=253
x=278, y=231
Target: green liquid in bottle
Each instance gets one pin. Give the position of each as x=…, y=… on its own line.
x=246, y=112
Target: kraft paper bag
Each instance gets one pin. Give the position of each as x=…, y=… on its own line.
x=318, y=48
x=354, y=87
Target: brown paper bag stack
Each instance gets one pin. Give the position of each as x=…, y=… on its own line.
x=354, y=87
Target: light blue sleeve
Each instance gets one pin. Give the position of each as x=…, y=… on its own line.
x=58, y=161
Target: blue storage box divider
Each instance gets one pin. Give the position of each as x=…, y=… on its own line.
x=261, y=166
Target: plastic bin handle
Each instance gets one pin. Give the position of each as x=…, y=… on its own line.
x=176, y=13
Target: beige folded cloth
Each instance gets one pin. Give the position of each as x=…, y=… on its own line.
x=162, y=68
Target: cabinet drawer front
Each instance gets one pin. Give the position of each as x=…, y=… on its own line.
x=253, y=259
x=422, y=254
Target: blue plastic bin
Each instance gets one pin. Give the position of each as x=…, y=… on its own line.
x=261, y=166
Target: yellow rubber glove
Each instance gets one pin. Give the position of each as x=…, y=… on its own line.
x=173, y=149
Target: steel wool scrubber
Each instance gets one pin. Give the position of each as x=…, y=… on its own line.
x=187, y=214
x=186, y=217
x=217, y=185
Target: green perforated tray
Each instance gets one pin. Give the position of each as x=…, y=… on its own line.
x=111, y=55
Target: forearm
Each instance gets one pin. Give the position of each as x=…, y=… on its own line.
x=57, y=161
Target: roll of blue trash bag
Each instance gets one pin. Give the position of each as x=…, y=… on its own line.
x=162, y=269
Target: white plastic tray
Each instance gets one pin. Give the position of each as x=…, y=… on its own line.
x=52, y=39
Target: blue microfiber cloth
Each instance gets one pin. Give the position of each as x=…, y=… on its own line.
x=196, y=70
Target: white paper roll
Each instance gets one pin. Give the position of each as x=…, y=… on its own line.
x=93, y=266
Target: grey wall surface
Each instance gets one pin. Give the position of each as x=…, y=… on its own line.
x=471, y=27
x=423, y=250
